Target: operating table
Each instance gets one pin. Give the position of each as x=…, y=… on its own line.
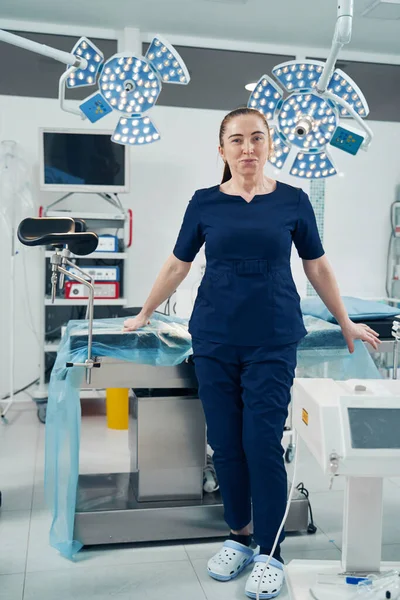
x=162, y=496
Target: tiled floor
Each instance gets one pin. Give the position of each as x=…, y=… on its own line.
x=31, y=570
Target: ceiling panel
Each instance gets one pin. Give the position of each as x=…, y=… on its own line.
x=309, y=23
x=218, y=77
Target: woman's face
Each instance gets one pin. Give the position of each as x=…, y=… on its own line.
x=245, y=145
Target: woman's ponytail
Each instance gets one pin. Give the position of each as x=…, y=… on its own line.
x=227, y=173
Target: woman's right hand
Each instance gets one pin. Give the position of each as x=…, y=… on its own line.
x=136, y=322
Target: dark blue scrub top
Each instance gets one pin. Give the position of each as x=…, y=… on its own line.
x=247, y=296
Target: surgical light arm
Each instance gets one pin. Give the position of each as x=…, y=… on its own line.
x=73, y=61
x=341, y=37
x=69, y=59
x=61, y=94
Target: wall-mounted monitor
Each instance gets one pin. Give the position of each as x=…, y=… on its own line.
x=74, y=160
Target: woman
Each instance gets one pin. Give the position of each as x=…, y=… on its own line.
x=246, y=325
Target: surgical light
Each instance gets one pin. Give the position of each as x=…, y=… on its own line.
x=280, y=150
x=126, y=83
x=343, y=86
x=136, y=83
x=250, y=86
x=266, y=97
x=304, y=104
x=316, y=165
x=135, y=130
x=93, y=57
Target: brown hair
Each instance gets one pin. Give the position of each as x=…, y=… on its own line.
x=237, y=113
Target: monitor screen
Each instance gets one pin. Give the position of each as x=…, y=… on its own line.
x=375, y=428
x=82, y=161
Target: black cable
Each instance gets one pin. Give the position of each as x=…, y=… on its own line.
x=300, y=488
x=168, y=306
x=47, y=333
x=20, y=390
x=26, y=386
x=103, y=262
x=111, y=198
x=59, y=327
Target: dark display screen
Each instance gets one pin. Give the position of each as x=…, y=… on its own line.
x=374, y=428
x=83, y=159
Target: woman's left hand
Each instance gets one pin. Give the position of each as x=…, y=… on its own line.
x=359, y=331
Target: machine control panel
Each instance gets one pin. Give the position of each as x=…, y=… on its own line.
x=357, y=420
x=374, y=428
x=98, y=273
x=346, y=140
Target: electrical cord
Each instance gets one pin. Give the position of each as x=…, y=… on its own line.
x=166, y=310
x=302, y=490
x=289, y=501
x=392, y=244
x=56, y=328
x=23, y=389
x=392, y=235
x=30, y=321
x=103, y=262
x=167, y=307
x=47, y=333
x=7, y=396
x=27, y=305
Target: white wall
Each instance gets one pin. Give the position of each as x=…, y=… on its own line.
x=357, y=213
x=163, y=178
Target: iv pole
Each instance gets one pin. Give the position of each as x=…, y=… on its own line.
x=11, y=159
x=8, y=155
x=74, y=62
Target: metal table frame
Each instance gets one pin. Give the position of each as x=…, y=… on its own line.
x=107, y=508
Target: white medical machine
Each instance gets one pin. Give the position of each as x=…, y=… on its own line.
x=353, y=430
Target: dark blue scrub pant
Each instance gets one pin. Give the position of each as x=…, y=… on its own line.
x=245, y=392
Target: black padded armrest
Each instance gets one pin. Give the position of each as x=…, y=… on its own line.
x=31, y=229
x=55, y=232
